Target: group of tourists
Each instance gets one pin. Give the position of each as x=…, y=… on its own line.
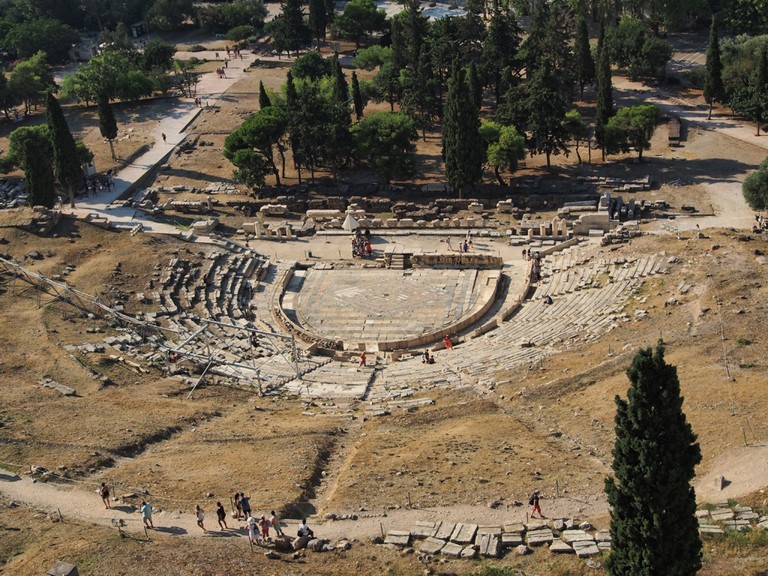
x=361, y=243
x=464, y=245
x=92, y=185
x=535, y=258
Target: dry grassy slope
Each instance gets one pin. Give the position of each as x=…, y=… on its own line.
x=470, y=447
x=576, y=397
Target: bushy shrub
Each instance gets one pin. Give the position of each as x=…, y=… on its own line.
x=239, y=33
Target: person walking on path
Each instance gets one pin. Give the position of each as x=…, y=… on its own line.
x=534, y=501
x=274, y=520
x=238, y=511
x=164, y=137
x=253, y=530
x=362, y=360
x=146, y=514
x=264, y=524
x=104, y=493
x=200, y=515
x=245, y=504
x=221, y=515
x=448, y=343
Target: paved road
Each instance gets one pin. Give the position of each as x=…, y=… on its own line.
x=174, y=125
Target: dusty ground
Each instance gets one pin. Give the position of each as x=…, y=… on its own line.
x=549, y=426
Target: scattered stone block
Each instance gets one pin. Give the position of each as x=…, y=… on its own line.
x=710, y=529
x=514, y=527
x=603, y=536
x=463, y=533
x=539, y=537
x=63, y=569
x=484, y=530
x=444, y=531
x=737, y=525
x=469, y=552
x=432, y=545
x=585, y=549
x=511, y=539
x=61, y=388
x=522, y=550
x=489, y=545
x=720, y=482
x=571, y=536
x=721, y=514
x=398, y=538
x=423, y=529
x=560, y=547
x=452, y=549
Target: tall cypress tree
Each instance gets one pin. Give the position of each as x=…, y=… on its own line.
x=264, y=101
x=292, y=108
x=66, y=160
x=653, y=522
x=585, y=64
x=760, y=94
x=462, y=147
x=107, y=124
x=318, y=19
x=475, y=86
x=38, y=171
x=357, y=96
x=337, y=146
x=604, y=104
x=714, y=91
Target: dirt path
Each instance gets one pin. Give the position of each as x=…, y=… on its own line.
x=84, y=505
x=726, y=198
x=744, y=469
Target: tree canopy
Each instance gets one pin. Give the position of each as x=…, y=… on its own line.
x=29, y=148
x=755, y=187
x=360, y=19
x=385, y=142
x=632, y=128
x=50, y=36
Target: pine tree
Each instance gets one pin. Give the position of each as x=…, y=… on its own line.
x=654, y=529
x=66, y=161
x=714, y=91
x=107, y=124
x=419, y=100
x=264, y=101
x=500, y=49
x=290, y=33
x=462, y=146
x=585, y=64
x=357, y=97
x=546, y=112
x=604, y=104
